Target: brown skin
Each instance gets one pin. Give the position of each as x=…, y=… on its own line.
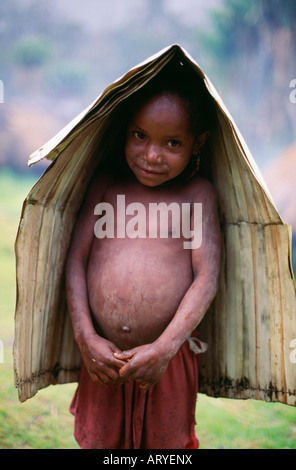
x=133, y=302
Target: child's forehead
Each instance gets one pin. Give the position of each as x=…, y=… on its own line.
x=170, y=101
x=164, y=96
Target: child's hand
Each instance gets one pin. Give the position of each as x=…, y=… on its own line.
x=98, y=357
x=145, y=364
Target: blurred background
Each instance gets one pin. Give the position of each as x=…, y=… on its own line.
x=55, y=58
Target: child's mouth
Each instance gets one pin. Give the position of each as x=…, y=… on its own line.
x=150, y=172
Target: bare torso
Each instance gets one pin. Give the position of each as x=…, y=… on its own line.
x=135, y=285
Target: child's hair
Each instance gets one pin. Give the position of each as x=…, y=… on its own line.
x=176, y=79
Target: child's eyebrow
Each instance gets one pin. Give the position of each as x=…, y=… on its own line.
x=175, y=137
x=135, y=124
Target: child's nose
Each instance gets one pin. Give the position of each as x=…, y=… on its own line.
x=153, y=153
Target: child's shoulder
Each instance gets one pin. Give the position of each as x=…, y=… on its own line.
x=99, y=184
x=201, y=188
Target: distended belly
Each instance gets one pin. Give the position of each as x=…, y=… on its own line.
x=134, y=294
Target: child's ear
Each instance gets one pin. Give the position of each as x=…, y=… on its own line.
x=200, y=141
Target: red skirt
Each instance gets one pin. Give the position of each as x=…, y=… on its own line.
x=127, y=417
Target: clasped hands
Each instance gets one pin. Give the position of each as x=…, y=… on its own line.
x=106, y=364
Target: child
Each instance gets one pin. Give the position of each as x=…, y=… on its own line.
x=135, y=300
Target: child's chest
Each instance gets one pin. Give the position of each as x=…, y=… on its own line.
x=139, y=212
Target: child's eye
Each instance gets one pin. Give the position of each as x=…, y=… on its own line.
x=174, y=143
x=139, y=135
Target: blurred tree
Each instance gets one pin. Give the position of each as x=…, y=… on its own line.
x=67, y=79
x=243, y=24
x=32, y=52
x=252, y=43
x=35, y=37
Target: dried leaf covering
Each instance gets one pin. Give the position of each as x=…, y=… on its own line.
x=252, y=321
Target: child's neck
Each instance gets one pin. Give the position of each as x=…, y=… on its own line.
x=189, y=172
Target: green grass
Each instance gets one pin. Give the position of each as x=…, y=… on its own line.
x=249, y=424
x=44, y=422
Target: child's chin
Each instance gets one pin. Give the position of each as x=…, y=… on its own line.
x=151, y=183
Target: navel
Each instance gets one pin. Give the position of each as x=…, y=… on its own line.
x=126, y=329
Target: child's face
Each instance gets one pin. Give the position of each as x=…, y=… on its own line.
x=159, y=141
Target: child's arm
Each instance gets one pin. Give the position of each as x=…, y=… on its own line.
x=146, y=364
x=97, y=353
